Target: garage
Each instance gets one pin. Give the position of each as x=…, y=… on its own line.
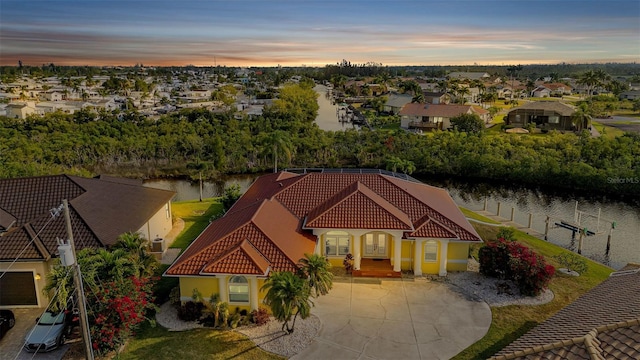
x=17, y=288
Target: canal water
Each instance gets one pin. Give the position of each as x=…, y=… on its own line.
x=327, y=118
x=625, y=244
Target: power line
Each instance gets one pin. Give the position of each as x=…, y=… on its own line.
x=55, y=212
x=51, y=326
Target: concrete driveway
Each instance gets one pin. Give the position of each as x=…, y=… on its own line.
x=395, y=319
x=11, y=344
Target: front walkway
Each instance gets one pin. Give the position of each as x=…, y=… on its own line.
x=395, y=319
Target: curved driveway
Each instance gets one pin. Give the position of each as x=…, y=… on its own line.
x=395, y=319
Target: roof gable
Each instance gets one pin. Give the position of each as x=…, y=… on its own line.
x=243, y=258
x=443, y=110
x=280, y=242
x=358, y=207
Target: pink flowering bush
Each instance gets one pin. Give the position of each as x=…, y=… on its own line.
x=514, y=261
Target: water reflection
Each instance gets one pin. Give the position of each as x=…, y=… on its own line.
x=559, y=206
x=327, y=118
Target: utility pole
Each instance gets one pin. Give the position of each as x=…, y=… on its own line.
x=77, y=280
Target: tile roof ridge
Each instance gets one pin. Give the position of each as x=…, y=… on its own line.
x=42, y=249
x=332, y=201
x=253, y=222
x=179, y=261
x=437, y=222
x=93, y=231
x=238, y=246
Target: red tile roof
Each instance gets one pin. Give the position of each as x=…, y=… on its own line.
x=270, y=216
x=357, y=207
x=447, y=111
x=100, y=209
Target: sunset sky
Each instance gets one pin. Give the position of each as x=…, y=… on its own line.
x=316, y=33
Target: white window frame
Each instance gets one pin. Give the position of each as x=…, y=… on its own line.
x=554, y=119
x=341, y=243
x=431, y=251
x=235, y=285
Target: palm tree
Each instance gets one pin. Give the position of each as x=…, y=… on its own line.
x=288, y=296
x=137, y=248
x=418, y=98
x=408, y=167
x=315, y=268
x=280, y=142
x=589, y=79
x=393, y=163
x=581, y=119
x=461, y=92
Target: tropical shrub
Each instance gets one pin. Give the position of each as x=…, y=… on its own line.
x=190, y=311
x=260, y=316
x=506, y=232
x=513, y=261
x=572, y=262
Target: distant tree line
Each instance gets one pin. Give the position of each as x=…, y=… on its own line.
x=190, y=142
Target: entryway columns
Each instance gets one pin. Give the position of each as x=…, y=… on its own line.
x=222, y=288
x=417, y=257
x=397, y=250
x=444, y=247
x=357, y=247
x=253, y=293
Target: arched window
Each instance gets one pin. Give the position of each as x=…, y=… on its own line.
x=431, y=251
x=336, y=243
x=238, y=289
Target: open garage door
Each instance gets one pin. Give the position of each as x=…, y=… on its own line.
x=18, y=288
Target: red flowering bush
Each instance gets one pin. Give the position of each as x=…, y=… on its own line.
x=118, y=310
x=514, y=261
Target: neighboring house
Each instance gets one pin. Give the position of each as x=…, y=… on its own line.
x=101, y=209
x=468, y=75
x=630, y=95
x=53, y=95
x=20, y=110
x=544, y=114
x=435, y=117
x=436, y=97
x=398, y=222
x=541, y=92
x=603, y=324
x=396, y=101
x=551, y=89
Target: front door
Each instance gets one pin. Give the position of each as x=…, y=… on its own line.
x=375, y=246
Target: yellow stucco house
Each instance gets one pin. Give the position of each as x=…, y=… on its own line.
x=375, y=216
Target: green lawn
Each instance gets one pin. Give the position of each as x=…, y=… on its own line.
x=607, y=131
x=510, y=322
x=474, y=215
x=158, y=343
x=196, y=215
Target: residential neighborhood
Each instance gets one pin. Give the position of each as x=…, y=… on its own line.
x=319, y=180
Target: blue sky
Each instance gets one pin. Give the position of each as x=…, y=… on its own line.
x=315, y=33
